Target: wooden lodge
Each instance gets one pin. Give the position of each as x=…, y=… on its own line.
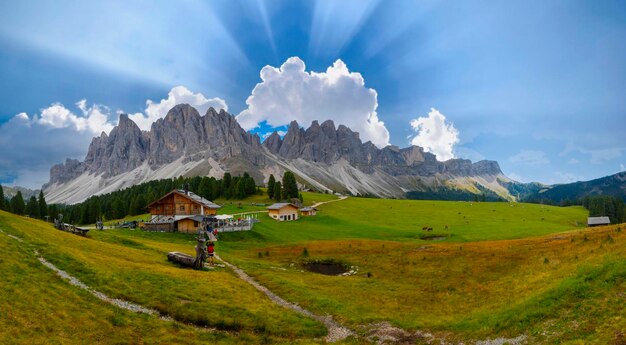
x=179, y=210
x=283, y=211
x=308, y=211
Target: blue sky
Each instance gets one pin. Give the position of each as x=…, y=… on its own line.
x=536, y=85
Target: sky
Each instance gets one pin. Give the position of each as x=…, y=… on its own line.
x=536, y=85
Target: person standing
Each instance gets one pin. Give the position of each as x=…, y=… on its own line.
x=210, y=248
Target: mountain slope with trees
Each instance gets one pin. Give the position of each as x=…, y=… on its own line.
x=564, y=194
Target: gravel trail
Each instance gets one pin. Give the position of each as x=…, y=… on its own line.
x=336, y=331
x=117, y=302
x=343, y=197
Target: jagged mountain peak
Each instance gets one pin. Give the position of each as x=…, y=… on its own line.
x=182, y=112
x=273, y=142
x=325, y=157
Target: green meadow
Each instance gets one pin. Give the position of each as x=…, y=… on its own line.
x=485, y=270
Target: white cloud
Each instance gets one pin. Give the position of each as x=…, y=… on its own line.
x=530, y=157
x=622, y=168
x=177, y=95
x=565, y=177
x=467, y=153
x=94, y=119
x=435, y=134
x=573, y=161
x=291, y=93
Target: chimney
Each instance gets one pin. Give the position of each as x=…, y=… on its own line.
x=186, y=188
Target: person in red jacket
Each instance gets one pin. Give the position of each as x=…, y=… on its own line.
x=210, y=248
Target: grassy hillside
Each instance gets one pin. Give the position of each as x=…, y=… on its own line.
x=498, y=269
x=403, y=220
x=501, y=270
x=136, y=271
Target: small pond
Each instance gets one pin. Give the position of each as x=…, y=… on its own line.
x=327, y=268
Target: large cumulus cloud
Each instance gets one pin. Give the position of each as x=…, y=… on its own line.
x=435, y=134
x=291, y=93
x=177, y=95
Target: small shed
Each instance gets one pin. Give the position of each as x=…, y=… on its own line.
x=283, y=211
x=189, y=224
x=308, y=211
x=598, y=221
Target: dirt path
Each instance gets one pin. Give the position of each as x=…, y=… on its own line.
x=74, y=281
x=336, y=331
x=116, y=302
x=326, y=202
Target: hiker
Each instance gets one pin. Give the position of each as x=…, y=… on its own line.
x=210, y=248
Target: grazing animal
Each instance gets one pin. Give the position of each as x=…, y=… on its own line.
x=425, y=228
x=430, y=229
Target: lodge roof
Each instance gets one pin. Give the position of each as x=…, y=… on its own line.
x=279, y=205
x=191, y=196
x=308, y=208
x=598, y=221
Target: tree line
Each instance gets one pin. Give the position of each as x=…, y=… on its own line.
x=34, y=207
x=609, y=206
x=285, y=190
x=130, y=201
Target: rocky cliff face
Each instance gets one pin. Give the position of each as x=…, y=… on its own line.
x=328, y=145
x=324, y=157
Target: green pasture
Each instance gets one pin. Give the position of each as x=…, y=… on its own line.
x=485, y=270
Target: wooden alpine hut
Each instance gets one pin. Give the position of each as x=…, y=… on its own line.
x=308, y=211
x=179, y=210
x=282, y=211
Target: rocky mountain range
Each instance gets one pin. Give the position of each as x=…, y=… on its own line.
x=324, y=157
x=10, y=192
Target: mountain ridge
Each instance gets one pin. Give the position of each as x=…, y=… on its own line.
x=611, y=185
x=323, y=156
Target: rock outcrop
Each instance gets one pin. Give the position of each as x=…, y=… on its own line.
x=323, y=156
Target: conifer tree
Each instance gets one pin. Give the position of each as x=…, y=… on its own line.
x=204, y=189
x=2, y=201
x=17, y=203
x=270, y=186
x=249, y=183
x=227, y=180
x=241, y=188
x=278, y=190
x=290, y=187
x=32, y=207
x=43, y=206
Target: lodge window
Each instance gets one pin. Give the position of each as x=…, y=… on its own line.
x=195, y=207
x=195, y=224
x=182, y=207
